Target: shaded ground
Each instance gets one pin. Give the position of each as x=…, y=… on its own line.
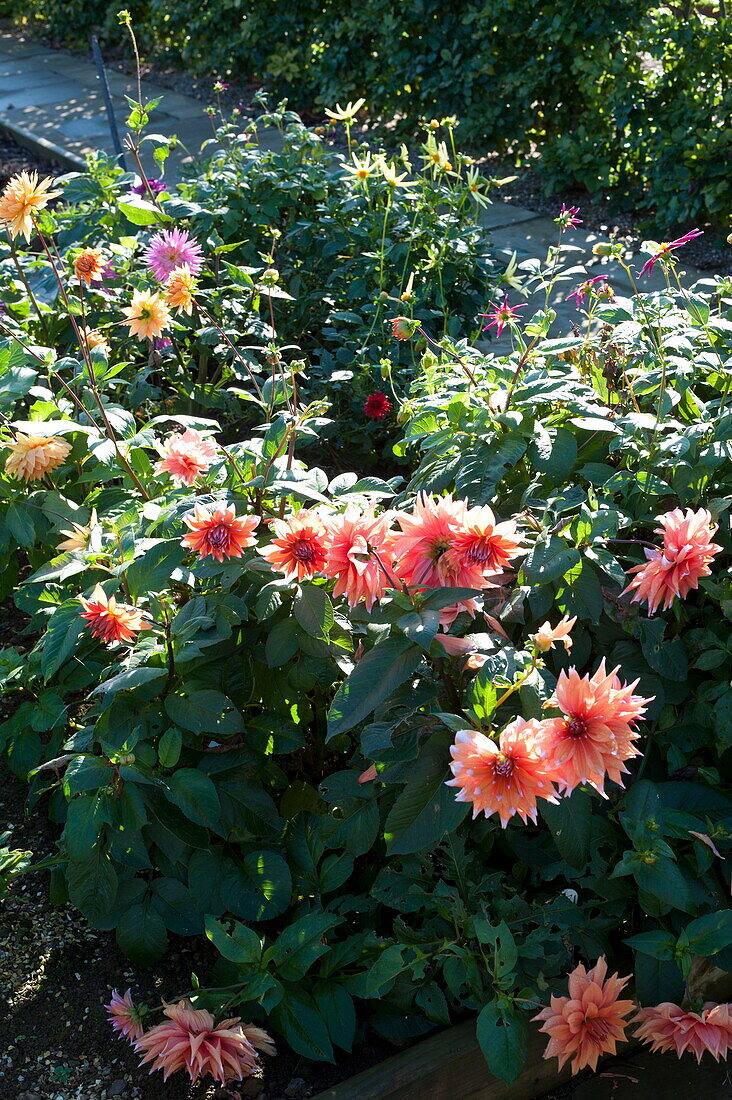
x=14, y=159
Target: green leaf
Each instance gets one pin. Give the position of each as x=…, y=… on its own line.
x=141, y=212
x=374, y=678
x=570, y=823
x=420, y=627
x=20, y=524
x=379, y=977
x=169, y=747
x=84, y=822
x=300, y=945
x=336, y=1007
x=314, y=611
x=241, y=945
x=260, y=888
x=141, y=934
x=282, y=644
x=667, y=658
x=664, y=881
x=658, y=944
x=548, y=561
x=194, y=794
x=92, y=883
x=503, y=1036
x=580, y=593
x=151, y=572
x=657, y=980
x=204, y=711
x=177, y=906
x=711, y=933
x=61, y=639
x=426, y=809
x=297, y=1017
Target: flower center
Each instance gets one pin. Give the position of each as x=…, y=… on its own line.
x=480, y=552
x=438, y=548
x=219, y=536
x=503, y=765
x=576, y=727
x=304, y=551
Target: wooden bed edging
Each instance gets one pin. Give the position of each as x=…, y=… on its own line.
x=449, y=1066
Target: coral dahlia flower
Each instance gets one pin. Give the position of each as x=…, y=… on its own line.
x=146, y=314
x=179, y=289
x=299, y=548
x=22, y=196
x=588, y=1023
x=675, y=569
x=171, y=248
x=596, y=734
x=112, y=621
x=186, y=455
x=428, y=532
x=504, y=778
x=191, y=1040
x=218, y=534
x=547, y=635
x=668, y=1027
x=33, y=456
x=358, y=548
x=94, y=339
x=124, y=1016
x=483, y=543
x=89, y=265
x=377, y=405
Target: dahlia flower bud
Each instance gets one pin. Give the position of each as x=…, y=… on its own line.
x=403, y=328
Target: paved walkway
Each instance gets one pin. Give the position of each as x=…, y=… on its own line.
x=53, y=102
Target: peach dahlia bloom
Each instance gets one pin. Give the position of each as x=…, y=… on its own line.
x=191, y=1040
x=547, y=635
x=89, y=265
x=358, y=547
x=186, y=455
x=421, y=548
x=22, y=196
x=299, y=549
x=33, y=456
x=93, y=338
x=675, y=569
x=219, y=533
x=504, y=778
x=179, y=289
x=483, y=543
x=596, y=734
x=590, y=1021
x=669, y=1027
x=124, y=1016
x=147, y=316
x=112, y=621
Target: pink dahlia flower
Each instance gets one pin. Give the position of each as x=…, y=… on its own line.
x=675, y=569
x=124, y=1017
x=186, y=455
x=170, y=249
x=483, y=543
x=428, y=532
x=504, y=778
x=669, y=246
x=300, y=548
x=588, y=1023
x=596, y=734
x=191, y=1040
x=668, y=1027
x=112, y=621
x=219, y=533
x=501, y=315
x=358, y=549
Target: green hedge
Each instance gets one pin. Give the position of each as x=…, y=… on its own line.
x=626, y=96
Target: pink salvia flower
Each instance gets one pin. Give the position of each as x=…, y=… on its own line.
x=676, y=568
x=668, y=1027
x=590, y=1021
x=186, y=456
x=596, y=735
x=501, y=316
x=170, y=249
x=504, y=778
x=191, y=1040
x=669, y=246
x=124, y=1017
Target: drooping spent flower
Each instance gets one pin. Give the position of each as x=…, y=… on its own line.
x=125, y=1017
x=668, y=1027
x=547, y=635
x=89, y=265
x=186, y=455
x=377, y=405
x=589, y=286
x=23, y=195
x=170, y=249
x=147, y=315
x=154, y=186
x=219, y=533
x=190, y=1040
x=596, y=734
x=33, y=456
x=112, y=621
x=299, y=548
x=676, y=568
x=504, y=778
x=590, y=1021
x=663, y=249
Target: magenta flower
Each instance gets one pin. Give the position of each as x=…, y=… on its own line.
x=170, y=249
x=668, y=247
x=568, y=217
x=154, y=185
x=579, y=294
x=501, y=315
